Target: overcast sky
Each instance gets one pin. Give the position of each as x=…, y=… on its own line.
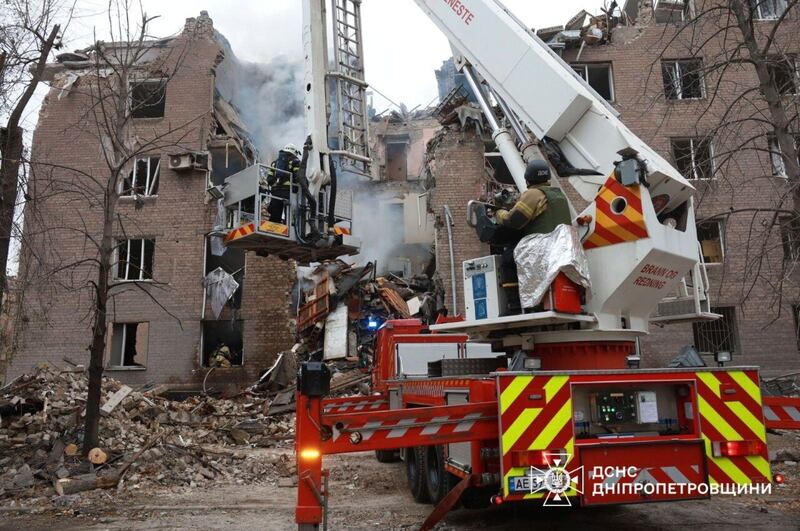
x=402, y=46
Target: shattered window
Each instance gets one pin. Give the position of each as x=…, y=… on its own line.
x=709, y=234
x=143, y=178
x=790, y=238
x=128, y=345
x=776, y=155
x=768, y=9
x=148, y=98
x=693, y=157
x=784, y=70
x=135, y=259
x=683, y=80
x=599, y=78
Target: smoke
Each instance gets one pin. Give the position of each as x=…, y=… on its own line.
x=379, y=222
x=268, y=96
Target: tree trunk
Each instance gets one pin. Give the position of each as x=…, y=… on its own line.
x=774, y=99
x=12, y=156
x=9, y=179
x=99, y=329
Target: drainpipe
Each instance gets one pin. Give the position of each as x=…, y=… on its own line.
x=448, y=220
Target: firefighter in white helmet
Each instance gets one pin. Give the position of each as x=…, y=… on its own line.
x=279, y=178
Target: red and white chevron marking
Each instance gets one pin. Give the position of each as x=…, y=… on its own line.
x=356, y=404
x=782, y=412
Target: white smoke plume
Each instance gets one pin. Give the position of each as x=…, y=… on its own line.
x=268, y=96
x=379, y=222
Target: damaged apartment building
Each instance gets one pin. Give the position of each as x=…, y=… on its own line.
x=667, y=100
x=164, y=321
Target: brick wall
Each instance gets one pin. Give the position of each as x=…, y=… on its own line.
x=56, y=307
x=459, y=175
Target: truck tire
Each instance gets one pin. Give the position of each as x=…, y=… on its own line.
x=415, y=474
x=387, y=456
x=438, y=481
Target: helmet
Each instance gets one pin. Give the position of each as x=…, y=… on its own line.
x=537, y=172
x=290, y=148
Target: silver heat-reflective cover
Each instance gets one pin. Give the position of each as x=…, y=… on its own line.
x=540, y=257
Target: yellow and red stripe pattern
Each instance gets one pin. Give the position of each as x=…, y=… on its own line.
x=535, y=414
x=619, y=216
x=730, y=407
x=250, y=228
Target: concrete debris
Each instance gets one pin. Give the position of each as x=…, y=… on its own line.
x=581, y=30
x=157, y=441
x=355, y=302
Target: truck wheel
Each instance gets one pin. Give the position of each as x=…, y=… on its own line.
x=387, y=456
x=438, y=480
x=416, y=477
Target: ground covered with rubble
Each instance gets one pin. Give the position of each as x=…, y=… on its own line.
x=368, y=495
x=147, y=440
x=228, y=463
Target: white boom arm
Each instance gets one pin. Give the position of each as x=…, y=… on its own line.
x=538, y=92
x=545, y=95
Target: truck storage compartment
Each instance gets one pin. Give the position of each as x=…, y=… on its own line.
x=635, y=409
x=622, y=472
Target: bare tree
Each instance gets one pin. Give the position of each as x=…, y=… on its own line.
x=28, y=35
x=117, y=85
x=737, y=59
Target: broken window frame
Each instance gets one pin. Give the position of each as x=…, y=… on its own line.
x=120, y=259
x=719, y=237
x=789, y=67
x=687, y=13
x=757, y=6
x=134, y=109
x=698, y=172
x=678, y=70
x=721, y=335
x=584, y=74
x=239, y=274
x=204, y=357
x=113, y=357
x=776, y=155
x=397, y=140
x=152, y=177
x=790, y=238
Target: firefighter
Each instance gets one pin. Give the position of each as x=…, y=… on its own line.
x=221, y=357
x=541, y=208
x=280, y=176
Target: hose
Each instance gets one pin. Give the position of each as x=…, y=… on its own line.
x=303, y=182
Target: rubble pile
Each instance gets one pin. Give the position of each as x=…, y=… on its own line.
x=144, y=438
x=342, y=307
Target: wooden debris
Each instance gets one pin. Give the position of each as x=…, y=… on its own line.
x=97, y=456
x=71, y=449
x=114, y=400
x=67, y=486
x=395, y=302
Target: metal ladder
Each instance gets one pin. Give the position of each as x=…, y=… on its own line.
x=351, y=97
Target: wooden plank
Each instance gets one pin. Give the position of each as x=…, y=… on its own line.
x=115, y=399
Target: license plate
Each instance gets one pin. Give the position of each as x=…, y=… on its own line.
x=530, y=483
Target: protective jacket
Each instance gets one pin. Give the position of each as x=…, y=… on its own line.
x=539, y=211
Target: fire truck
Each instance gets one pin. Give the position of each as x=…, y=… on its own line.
x=547, y=405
